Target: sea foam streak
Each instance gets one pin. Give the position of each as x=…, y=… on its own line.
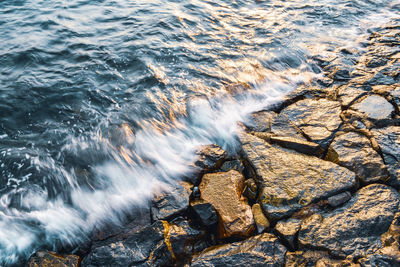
x=129, y=177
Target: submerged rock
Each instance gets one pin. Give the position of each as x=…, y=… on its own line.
x=257, y=251
x=318, y=119
x=223, y=190
x=290, y=180
x=388, y=140
x=356, y=228
x=48, y=259
x=170, y=203
x=353, y=151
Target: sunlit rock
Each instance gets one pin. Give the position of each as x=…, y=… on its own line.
x=260, y=250
x=318, y=119
x=47, y=258
x=224, y=190
x=376, y=109
x=356, y=228
x=290, y=180
x=353, y=151
x=300, y=145
x=261, y=221
x=287, y=230
x=312, y=258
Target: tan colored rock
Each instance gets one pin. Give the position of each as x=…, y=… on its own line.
x=262, y=222
x=223, y=191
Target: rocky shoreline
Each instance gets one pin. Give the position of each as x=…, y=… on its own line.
x=315, y=184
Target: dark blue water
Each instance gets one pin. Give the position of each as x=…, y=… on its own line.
x=103, y=102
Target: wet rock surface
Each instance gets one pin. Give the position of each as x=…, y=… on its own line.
x=317, y=171
x=376, y=108
x=356, y=228
x=261, y=250
x=388, y=140
x=223, y=190
x=51, y=259
x=354, y=151
x=173, y=202
x=146, y=247
x=288, y=230
x=318, y=119
x=290, y=180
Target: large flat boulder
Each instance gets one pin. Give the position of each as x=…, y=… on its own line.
x=257, y=251
x=223, y=190
x=356, y=228
x=318, y=119
x=290, y=180
x=354, y=151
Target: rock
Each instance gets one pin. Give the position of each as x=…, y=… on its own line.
x=378, y=260
x=339, y=199
x=376, y=108
x=262, y=222
x=353, y=151
x=184, y=240
x=318, y=119
x=250, y=190
x=205, y=212
x=276, y=124
x=168, y=204
x=145, y=247
x=210, y=157
x=356, y=228
x=340, y=73
x=310, y=258
x=287, y=230
x=232, y=165
x=376, y=62
x=261, y=121
x=282, y=126
x=50, y=259
x=289, y=180
x=223, y=190
x=349, y=94
x=257, y=251
x=388, y=140
x=300, y=145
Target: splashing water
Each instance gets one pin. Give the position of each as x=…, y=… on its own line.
x=104, y=104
